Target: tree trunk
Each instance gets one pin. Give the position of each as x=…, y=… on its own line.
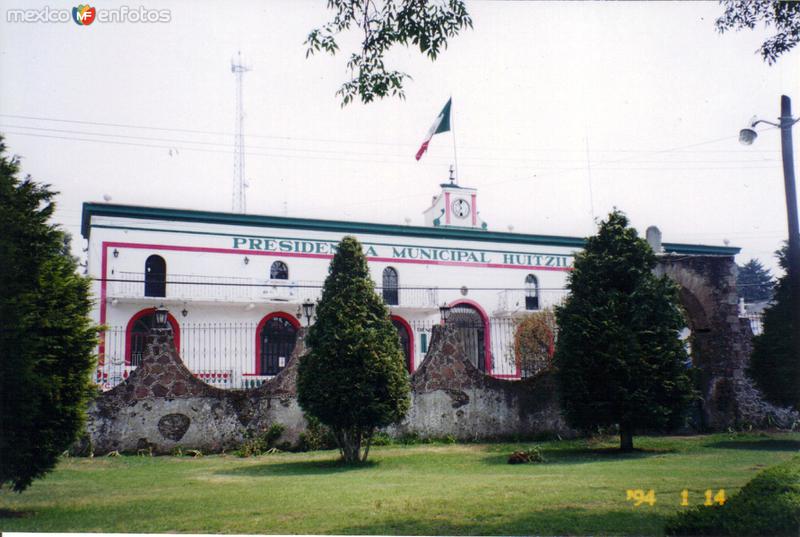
x=351, y=445
x=369, y=442
x=625, y=437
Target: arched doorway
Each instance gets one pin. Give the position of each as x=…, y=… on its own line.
x=276, y=337
x=473, y=327
x=136, y=335
x=406, y=335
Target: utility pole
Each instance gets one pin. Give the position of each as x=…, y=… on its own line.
x=239, y=200
x=786, y=124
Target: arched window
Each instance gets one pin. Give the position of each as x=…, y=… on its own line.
x=531, y=292
x=279, y=271
x=390, y=294
x=155, y=276
x=277, y=337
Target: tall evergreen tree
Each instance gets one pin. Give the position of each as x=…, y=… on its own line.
x=352, y=379
x=46, y=337
x=754, y=283
x=618, y=356
x=774, y=365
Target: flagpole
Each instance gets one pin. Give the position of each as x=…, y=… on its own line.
x=453, y=128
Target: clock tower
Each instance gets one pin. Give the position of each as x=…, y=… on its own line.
x=455, y=206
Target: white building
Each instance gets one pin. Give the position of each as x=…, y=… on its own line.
x=234, y=283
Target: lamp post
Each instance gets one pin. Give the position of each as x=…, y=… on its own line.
x=160, y=315
x=747, y=136
x=444, y=311
x=308, y=311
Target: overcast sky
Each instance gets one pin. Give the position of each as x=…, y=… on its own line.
x=562, y=111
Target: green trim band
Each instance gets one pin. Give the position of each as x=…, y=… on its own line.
x=206, y=217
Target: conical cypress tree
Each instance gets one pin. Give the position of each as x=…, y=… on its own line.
x=618, y=356
x=774, y=365
x=352, y=379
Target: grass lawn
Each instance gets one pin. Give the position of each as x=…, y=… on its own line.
x=423, y=489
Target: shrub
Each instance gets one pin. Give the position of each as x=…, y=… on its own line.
x=534, y=342
x=768, y=505
x=533, y=454
x=261, y=442
x=316, y=436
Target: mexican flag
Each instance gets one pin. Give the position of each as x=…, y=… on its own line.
x=440, y=124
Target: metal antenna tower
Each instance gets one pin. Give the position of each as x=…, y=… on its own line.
x=239, y=202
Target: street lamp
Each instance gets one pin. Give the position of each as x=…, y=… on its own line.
x=444, y=311
x=160, y=315
x=308, y=311
x=747, y=136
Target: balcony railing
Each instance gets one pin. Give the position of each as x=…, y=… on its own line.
x=194, y=287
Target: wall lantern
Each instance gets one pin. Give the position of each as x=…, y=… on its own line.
x=246, y=260
x=444, y=311
x=115, y=252
x=308, y=311
x=160, y=315
x=184, y=311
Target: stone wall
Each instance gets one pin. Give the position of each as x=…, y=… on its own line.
x=449, y=396
x=162, y=406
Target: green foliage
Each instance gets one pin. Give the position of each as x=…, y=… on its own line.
x=783, y=15
x=768, y=505
x=534, y=342
x=316, y=436
x=774, y=366
x=353, y=378
x=427, y=25
x=261, y=442
x=754, y=283
x=618, y=356
x=523, y=456
x=47, y=339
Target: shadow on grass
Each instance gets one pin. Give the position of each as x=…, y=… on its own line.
x=583, y=455
x=322, y=467
x=562, y=521
x=11, y=513
x=757, y=445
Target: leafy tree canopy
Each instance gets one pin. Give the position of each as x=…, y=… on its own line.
x=783, y=16
x=774, y=365
x=47, y=339
x=384, y=24
x=618, y=356
x=754, y=283
x=353, y=378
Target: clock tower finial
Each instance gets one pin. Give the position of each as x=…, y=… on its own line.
x=455, y=206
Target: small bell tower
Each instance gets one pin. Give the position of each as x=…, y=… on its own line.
x=455, y=206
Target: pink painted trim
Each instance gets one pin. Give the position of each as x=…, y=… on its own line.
x=474, y=210
x=280, y=314
x=176, y=331
x=410, y=333
x=447, y=208
x=487, y=331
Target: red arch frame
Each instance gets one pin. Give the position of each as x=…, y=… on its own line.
x=173, y=322
x=410, y=333
x=487, y=332
x=283, y=315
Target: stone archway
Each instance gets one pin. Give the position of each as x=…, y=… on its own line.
x=720, y=342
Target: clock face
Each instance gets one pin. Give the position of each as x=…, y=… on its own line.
x=461, y=208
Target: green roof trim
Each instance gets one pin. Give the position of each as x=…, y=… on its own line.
x=466, y=234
